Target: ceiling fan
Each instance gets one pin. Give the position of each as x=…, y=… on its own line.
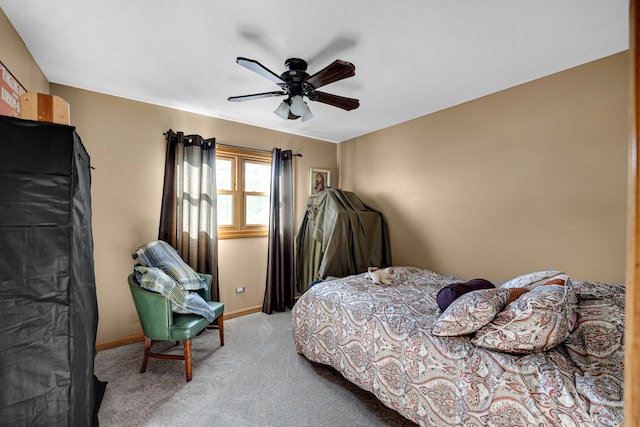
x=296, y=84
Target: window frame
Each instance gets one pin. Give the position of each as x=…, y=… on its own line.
x=239, y=157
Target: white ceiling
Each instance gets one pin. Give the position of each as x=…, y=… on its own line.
x=412, y=57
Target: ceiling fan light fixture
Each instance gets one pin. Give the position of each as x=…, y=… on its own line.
x=307, y=116
x=283, y=110
x=298, y=106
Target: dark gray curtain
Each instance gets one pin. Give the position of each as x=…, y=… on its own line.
x=279, y=293
x=188, y=217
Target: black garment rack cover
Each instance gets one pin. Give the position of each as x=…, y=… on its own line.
x=47, y=284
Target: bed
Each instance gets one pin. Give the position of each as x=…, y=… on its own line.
x=382, y=339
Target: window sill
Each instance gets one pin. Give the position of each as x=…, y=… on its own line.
x=238, y=234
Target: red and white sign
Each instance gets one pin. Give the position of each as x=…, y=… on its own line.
x=10, y=91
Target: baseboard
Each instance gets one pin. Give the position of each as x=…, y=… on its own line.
x=243, y=312
x=106, y=345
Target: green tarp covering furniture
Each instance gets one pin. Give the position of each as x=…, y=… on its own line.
x=339, y=236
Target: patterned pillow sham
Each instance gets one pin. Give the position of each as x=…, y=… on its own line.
x=531, y=280
x=473, y=310
x=515, y=294
x=163, y=256
x=537, y=321
x=470, y=312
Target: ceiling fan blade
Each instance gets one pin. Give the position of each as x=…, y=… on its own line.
x=333, y=72
x=335, y=100
x=257, y=67
x=332, y=49
x=255, y=96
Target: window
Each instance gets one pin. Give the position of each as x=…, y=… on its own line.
x=243, y=178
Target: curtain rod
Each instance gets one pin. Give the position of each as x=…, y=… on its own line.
x=254, y=149
x=245, y=148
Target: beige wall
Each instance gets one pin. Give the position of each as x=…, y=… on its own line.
x=16, y=57
x=124, y=139
x=530, y=178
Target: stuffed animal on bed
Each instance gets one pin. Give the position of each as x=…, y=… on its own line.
x=381, y=276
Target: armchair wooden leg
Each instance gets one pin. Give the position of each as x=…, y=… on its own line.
x=187, y=358
x=221, y=328
x=147, y=347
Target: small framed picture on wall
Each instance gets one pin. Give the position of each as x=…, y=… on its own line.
x=320, y=179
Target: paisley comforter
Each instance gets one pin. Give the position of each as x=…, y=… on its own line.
x=379, y=337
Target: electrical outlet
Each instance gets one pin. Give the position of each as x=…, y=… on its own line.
x=240, y=290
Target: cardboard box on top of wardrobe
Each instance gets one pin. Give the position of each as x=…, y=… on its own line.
x=44, y=108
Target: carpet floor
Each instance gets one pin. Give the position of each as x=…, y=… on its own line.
x=256, y=379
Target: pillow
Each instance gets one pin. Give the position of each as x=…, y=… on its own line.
x=449, y=293
x=162, y=255
x=537, y=321
x=470, y=312
x=473, y=310
x=531, y=280
x=516, y=293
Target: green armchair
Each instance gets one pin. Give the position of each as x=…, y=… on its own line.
x=160, y=323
